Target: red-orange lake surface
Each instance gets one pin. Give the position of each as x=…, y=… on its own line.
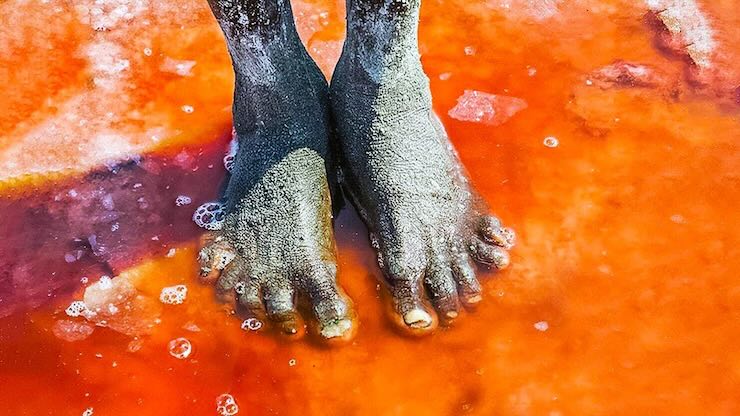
x=621, y=178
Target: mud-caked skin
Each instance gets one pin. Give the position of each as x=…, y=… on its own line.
x=425, y=221
x=276, y=244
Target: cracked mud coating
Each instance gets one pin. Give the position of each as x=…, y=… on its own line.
x=426, y=222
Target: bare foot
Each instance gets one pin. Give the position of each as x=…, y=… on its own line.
x=425, y=221
x=276, y=243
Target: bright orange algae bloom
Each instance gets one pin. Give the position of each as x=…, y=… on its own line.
x=623, y=295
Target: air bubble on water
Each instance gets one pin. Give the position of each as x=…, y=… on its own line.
x=292, y=362
x=445, y=76
x=210, y=216
x=251, y=324
x=187, y=109
x=148, y=51
x=531, y=71
x=226, y=405
x=135, y=345
x=88, y=412
x=180, y=348
x=541, y=326
x=231, y=152
x=171, y=253
x=551, y=141
x=470, y=50
x=173, y=295
x=182, y=200
x=76, y=308
x=84, y=280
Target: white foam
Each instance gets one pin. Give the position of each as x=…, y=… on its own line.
x=173, y=295
x=251, y=324
x=76, y=308
x=210, y=215
x=182, y=200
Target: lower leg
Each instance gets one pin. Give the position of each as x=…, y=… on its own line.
x=424, y=218
x=276, y=242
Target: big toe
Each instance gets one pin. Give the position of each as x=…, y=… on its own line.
x=332, y=308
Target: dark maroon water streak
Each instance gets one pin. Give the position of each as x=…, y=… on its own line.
x=101, y=222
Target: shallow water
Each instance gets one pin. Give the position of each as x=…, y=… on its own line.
x=620, y=177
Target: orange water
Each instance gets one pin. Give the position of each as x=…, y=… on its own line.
x=628, y=229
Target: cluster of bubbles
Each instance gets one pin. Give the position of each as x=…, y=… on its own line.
x=76, y=308
x=173, y=295
x=251, y=324
x=180, y=348
x=183, y=200
x=210, y=216
x=226, y=405
x=231, y=152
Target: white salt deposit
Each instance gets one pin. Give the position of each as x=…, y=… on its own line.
x=482, y=107
x=685, y=20
x=175, y=66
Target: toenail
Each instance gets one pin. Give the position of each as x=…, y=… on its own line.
x=417, y=318
x=474, y=298
x=501, y=260
x=336, y=329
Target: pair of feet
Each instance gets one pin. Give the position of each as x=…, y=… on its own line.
x=375, y=124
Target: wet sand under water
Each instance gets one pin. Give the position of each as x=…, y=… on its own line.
x=622, y=298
